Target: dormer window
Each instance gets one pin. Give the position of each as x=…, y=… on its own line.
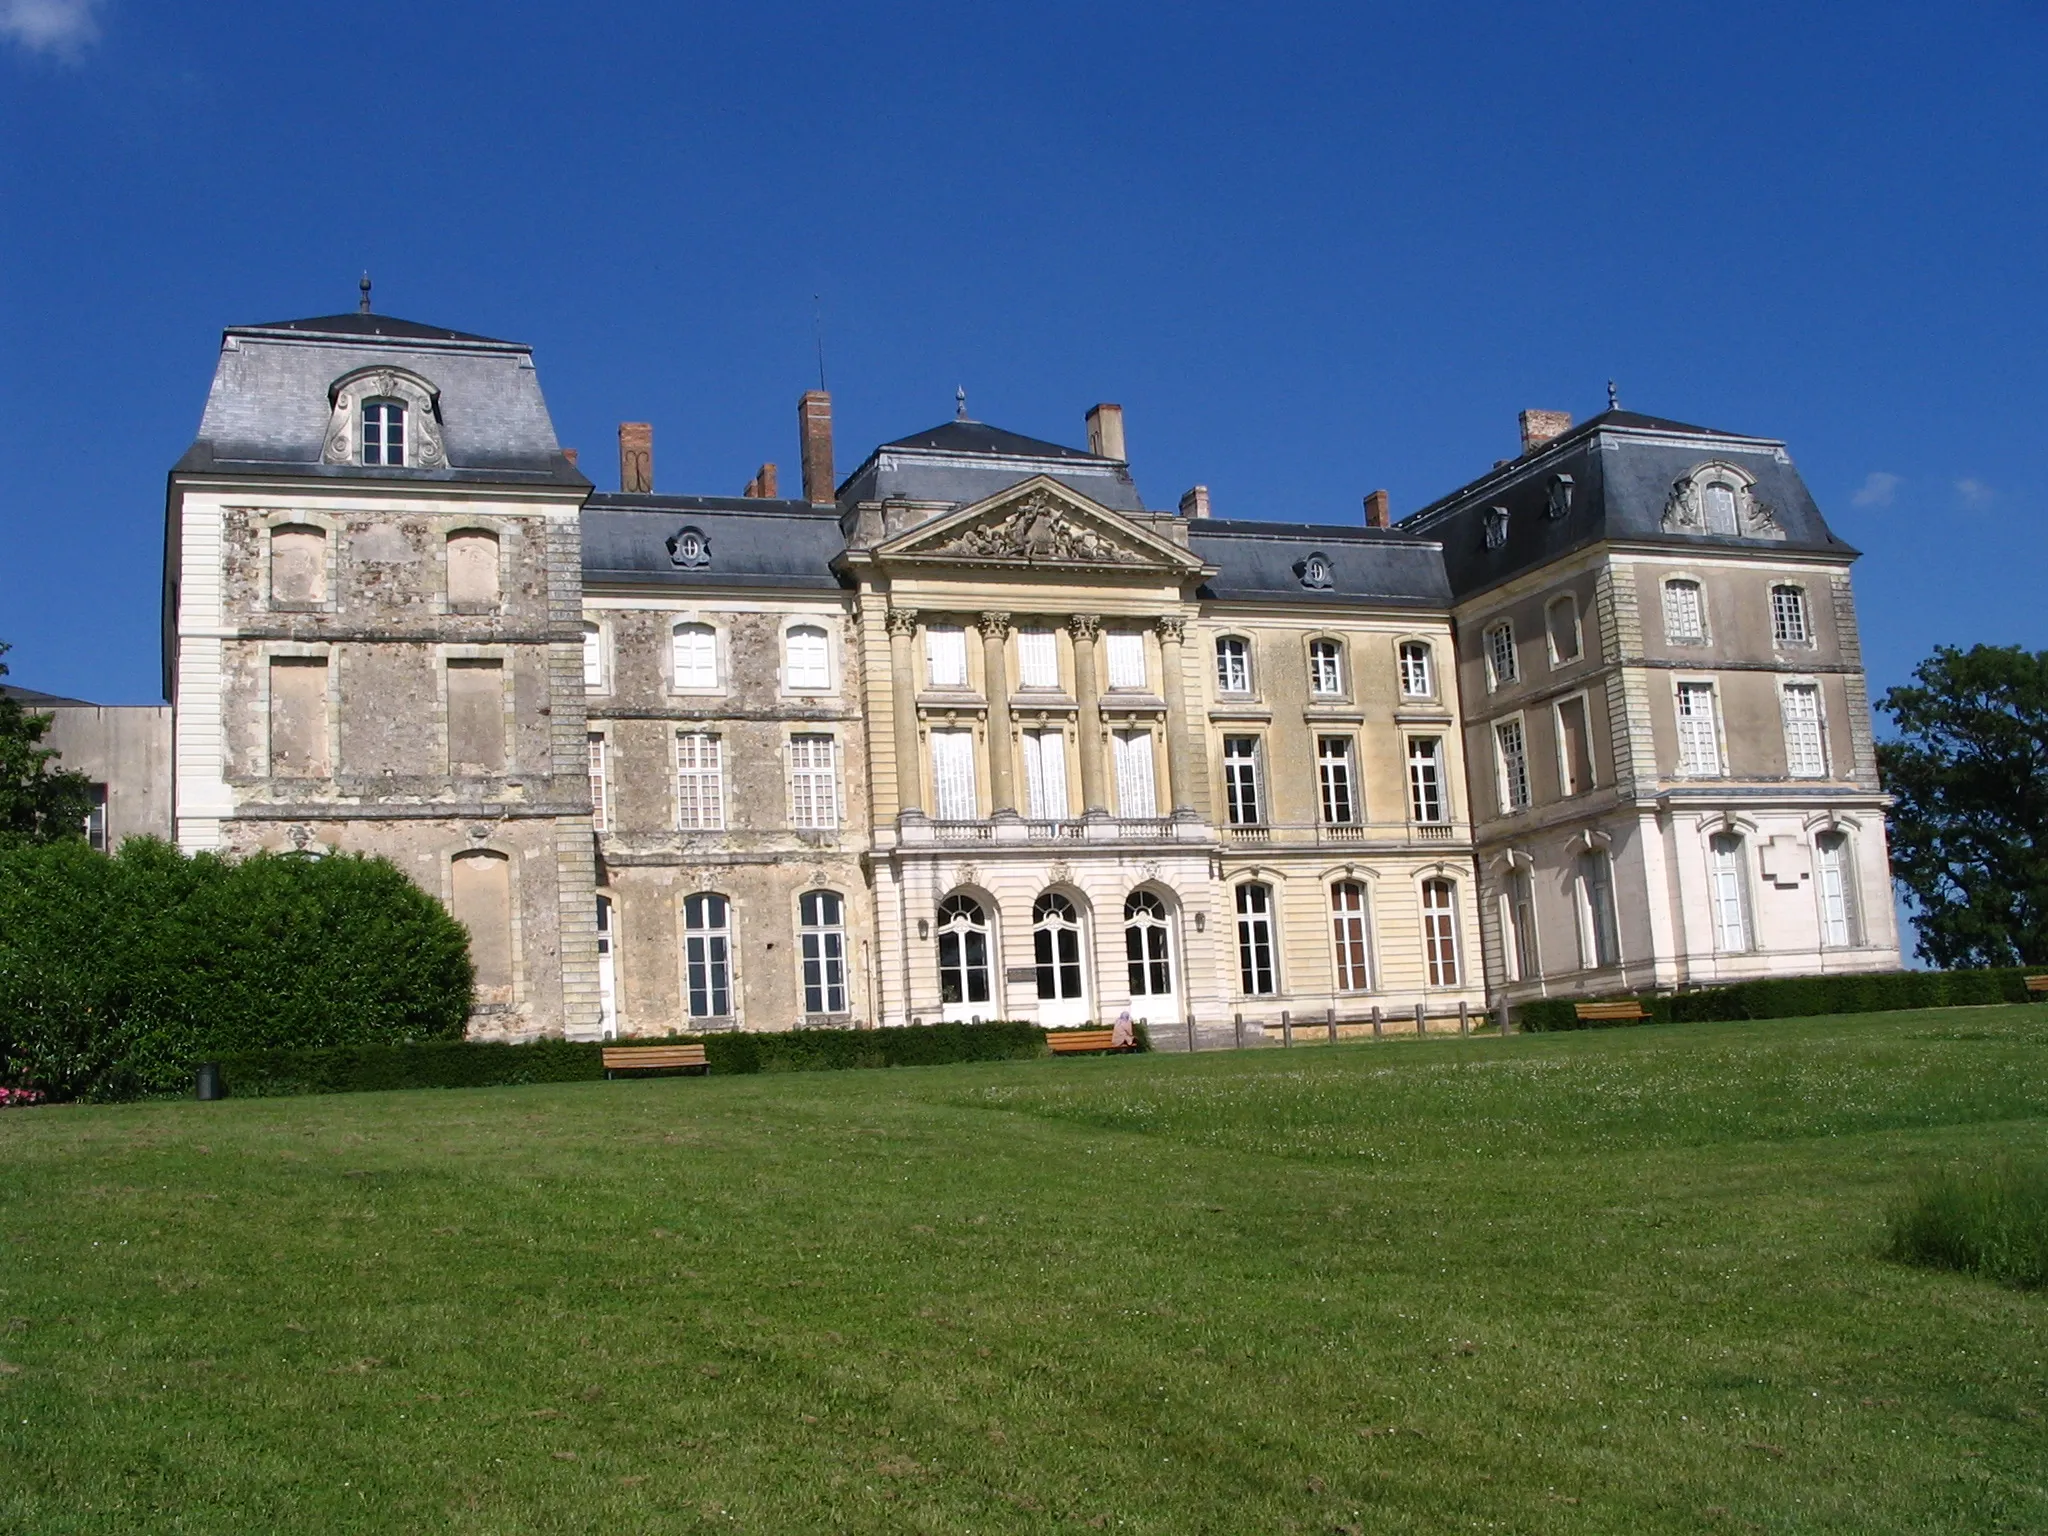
x=384, y=432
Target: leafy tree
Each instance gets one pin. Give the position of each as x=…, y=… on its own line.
x=38, y=804
x=1969, y=775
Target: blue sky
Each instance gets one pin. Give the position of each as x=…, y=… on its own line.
x=1311, y=250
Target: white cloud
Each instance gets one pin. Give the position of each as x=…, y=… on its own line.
x=1974, y=493
x=50, y=26
x=1876, y=491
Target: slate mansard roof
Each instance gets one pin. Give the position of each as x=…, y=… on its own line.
x=749, y=541
x=1266, y=562
x=270, y=404
x=960, y=462
x=1621, y=469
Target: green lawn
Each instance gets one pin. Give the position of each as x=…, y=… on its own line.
x=1624, y=1281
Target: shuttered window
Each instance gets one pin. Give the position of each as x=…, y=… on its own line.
x=806, y=658
x=953, y=775
x=1045, y=775
x=600, y=797
x=1135, y=794
x=695, y=648
x=1574, y=747
x=1513, y=758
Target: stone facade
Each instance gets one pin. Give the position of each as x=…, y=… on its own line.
x=976, y=734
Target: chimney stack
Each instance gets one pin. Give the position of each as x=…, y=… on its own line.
x=1539, y=427
x=814, y=444
x=1376, y=510
x=570, y=455
x=763, y=483
x=636, y=457
x=1195, y=503
x=1106, y=432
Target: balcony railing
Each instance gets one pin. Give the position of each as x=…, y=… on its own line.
x=1393, y=834
x=1070, y=830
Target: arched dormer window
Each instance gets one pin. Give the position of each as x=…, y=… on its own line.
x=1718, y=498
x=385, y=418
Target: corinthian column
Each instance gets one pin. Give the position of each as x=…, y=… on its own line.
x=1180, y=756
x=1086, y=628
x=903, y=705
x=995, y=639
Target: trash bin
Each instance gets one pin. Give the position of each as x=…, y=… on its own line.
x=208, y=1081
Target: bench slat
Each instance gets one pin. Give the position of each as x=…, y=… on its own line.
x=2037, y=983
x=1628, y=1010
x=1070, y=1041
x=632, y=1058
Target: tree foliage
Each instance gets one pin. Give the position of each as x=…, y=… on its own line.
x=118, y=974
x=1969, y=776
x=38, y=803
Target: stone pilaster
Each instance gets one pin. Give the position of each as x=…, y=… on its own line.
x=903, y=707
x=1086, y=628
x=1002, y=779
x=1180, y=751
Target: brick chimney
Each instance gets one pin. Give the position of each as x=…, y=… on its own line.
x=1539, y=427
x=1376, y=510
x=636, y=457
x=814, y=443
x=763, y=483
x=1195, y=502
x=1106, y=432
x=570, y=455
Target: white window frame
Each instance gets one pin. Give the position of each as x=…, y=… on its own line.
x=1511, y=763
x=597, y=672
x=1061, y=959
x=600, y=782
x=1798, y=765
x=386, y=406
x=791, y=681
x=1326, y=669
x=1258, y=939
x=945, y=657
x=1503, y=665
x=962, y=920
x=1436, y=786
x=1728, y=891
x=1338, y=771
x=1849, y=918
x=693, y=682
x=956, y=795
x=1795, y=614
x=1709, y=734
x=1124, y=655
x=1045, y=774
x=1244, y=779
x=699, y=768
x=821, y=942
x=1421, y=667
x=1440, y=947
x=1148, y=929
x=1567, y=782
x=1701, y=634
x=1558, y=658
x=814, y=781
x=1038, y=659
x=709, y=950
x=1137, y=787
x=1234, y=677
x=1352, y=967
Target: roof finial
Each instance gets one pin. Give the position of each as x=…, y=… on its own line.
x=363, y=304
x=1613, y=396
x=960, y=403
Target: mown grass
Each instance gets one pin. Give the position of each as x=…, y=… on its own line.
x=1625, y=1281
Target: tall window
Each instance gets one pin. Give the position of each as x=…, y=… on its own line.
x=298, y=566
x=963, y=951
x=96, y=819
x=1520, y=903
x=707, y=955
x=953, y=775
x=1685, y=614
x=1255, y=975
x=700, y=782
x=1805, y=750
x=1416, y=679
x=1500, y=655
x=1596, y=895
x=695, y=650
x=1241, y=781
x=1148, y=951
x=1720, y=506
x=1325, y=668
x=472, y=570
x=1425, y=778
x=593, y=659
x=1699, y=732
x=1136, y=791
x=1789, y=624
x=1348, y=925
x=1056, y=947
x=383, y=432
x=1126, y=658
x=1233, y=664
x=1336, y=781
x=1837, y=891
x=1512, y=755
x=821, y=937
x=1561, y=619
x=806, y=658
x=1574, y=747
x=1045, y=775
x=1038, y=659
x=945, y=656
x=600, y=791
x=1440, y=931
x=1730, y=891
x=813, y=782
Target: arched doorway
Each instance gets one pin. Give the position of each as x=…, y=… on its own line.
x=1149, y=956
x=966, y=965
x=1058, y=953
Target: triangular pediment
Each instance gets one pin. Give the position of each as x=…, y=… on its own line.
x=1040, y=522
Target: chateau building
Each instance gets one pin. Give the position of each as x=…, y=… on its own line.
x=976, y=733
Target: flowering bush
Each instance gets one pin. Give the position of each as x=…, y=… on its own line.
x=19, y=1098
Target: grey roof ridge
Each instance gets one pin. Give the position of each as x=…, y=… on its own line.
x=281, y=332
x=1260, y=528
x=744, y=506
x=1565, y=441
x=952, y=459
x=198, y=461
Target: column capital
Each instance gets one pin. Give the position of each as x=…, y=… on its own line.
x=993, y=625
x=902, y=621
x=1172, y=630
x=1084, y=626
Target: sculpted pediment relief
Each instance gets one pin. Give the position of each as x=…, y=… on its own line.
x=1040, y=523
x=1719, y=498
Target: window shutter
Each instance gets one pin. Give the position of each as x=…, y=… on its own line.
x=1135, y=790
x=953, y=774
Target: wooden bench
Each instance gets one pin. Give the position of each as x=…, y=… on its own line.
x=1068, y=1042
x=1603, y=1013
x=2038, y=985
x=651, y=1058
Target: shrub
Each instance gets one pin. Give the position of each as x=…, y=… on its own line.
x=924, y=1045
x=1985, y=1221
x=1791, y=997
x=118, y=974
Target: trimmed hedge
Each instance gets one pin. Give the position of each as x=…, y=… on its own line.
x=1791, y=997
x=477, y=1064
